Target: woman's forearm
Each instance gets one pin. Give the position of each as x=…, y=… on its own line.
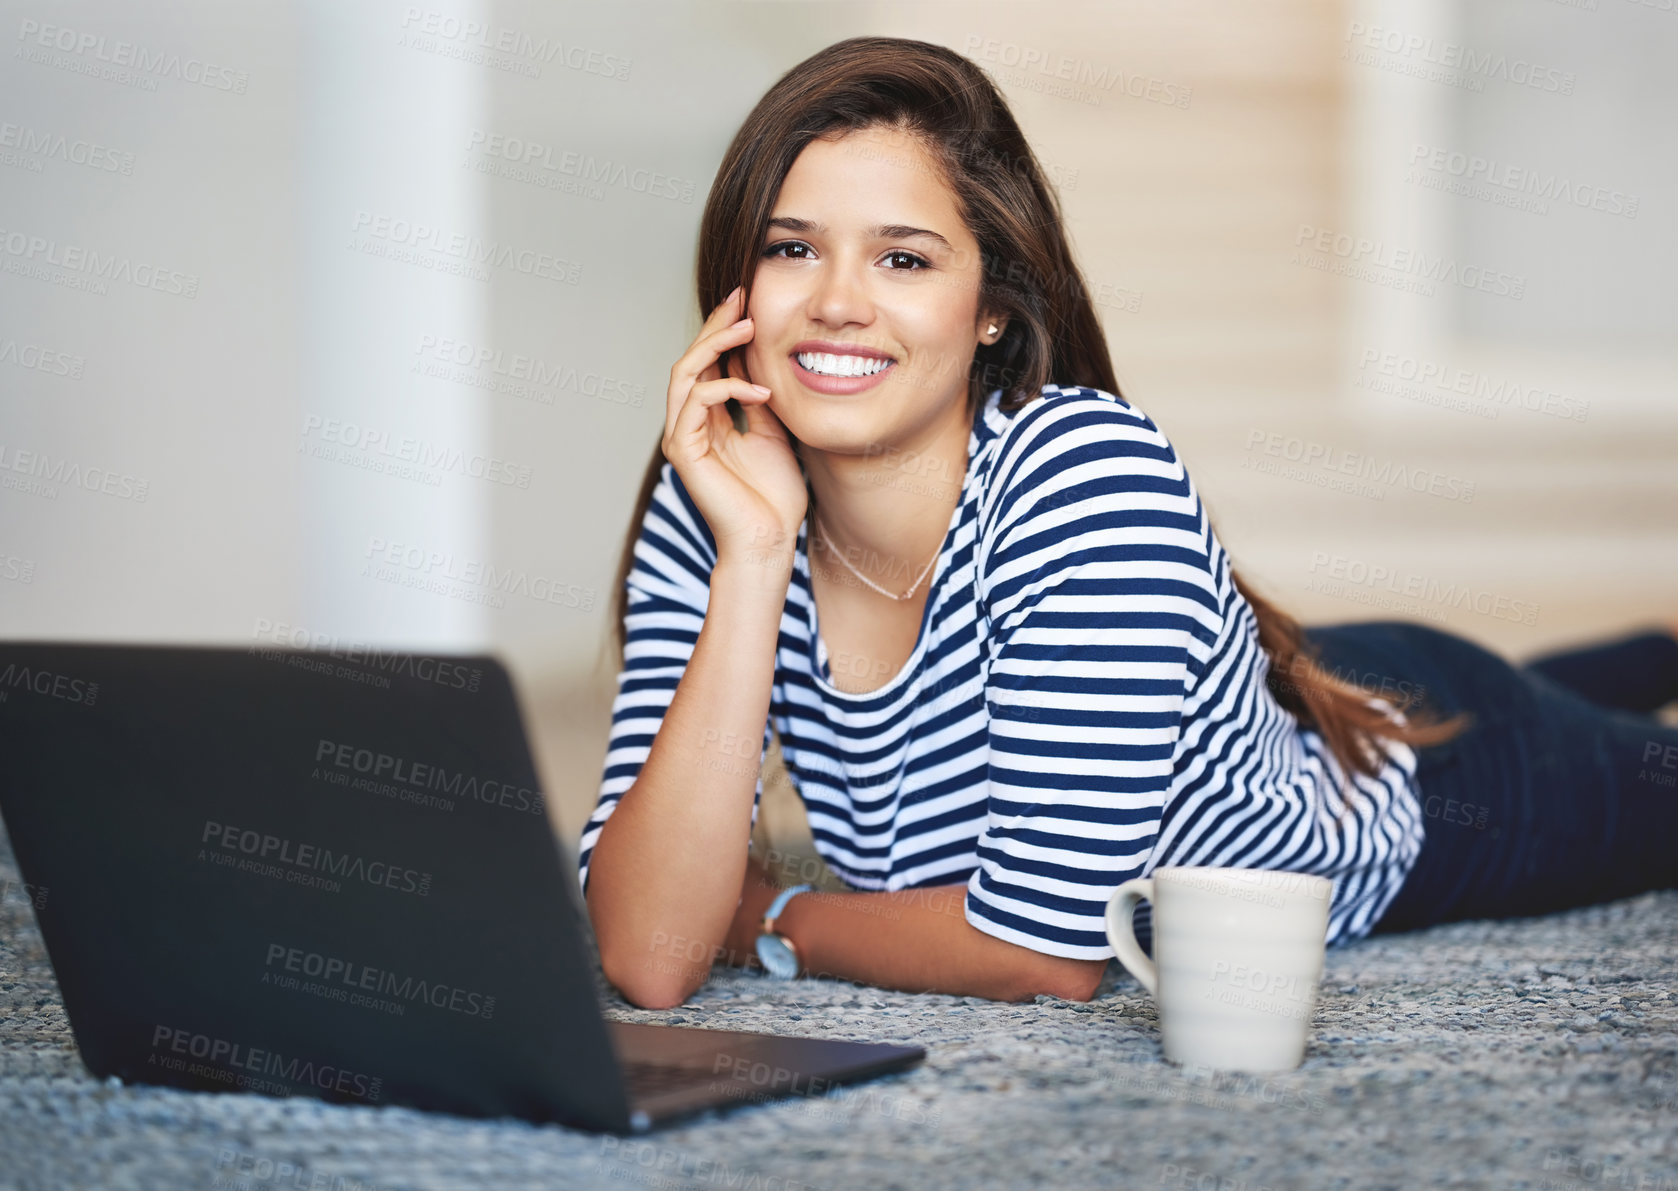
x=669, y=861
x=912, y=940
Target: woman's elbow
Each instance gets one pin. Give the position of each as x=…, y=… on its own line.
x=648, y=975
x=1069, y=979
x=1083, y=991
x=642, y=965
x=649, y=984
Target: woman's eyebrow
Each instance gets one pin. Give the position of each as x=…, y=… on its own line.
x=885, y=231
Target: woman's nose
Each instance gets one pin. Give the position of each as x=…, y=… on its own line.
x=840, y=297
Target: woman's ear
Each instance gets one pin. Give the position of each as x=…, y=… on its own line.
x=988, y=336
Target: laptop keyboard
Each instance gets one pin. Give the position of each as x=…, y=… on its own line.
x=647, y=1079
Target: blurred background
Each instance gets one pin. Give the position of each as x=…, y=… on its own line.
x=352, y=324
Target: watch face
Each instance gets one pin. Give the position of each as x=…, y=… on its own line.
x=777, y=957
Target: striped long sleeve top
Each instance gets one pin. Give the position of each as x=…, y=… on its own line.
x=1086, y=701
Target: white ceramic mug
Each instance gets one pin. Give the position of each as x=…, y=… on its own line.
x=1238, y=954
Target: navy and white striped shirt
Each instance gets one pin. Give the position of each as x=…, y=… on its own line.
x=1086, y=701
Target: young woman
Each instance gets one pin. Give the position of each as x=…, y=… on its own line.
x=974, y=591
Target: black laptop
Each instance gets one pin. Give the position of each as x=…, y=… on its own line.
x=299, y=872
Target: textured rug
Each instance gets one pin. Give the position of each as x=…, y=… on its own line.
x=1534, y=1054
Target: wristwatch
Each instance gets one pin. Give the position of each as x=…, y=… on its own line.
x=775, y=951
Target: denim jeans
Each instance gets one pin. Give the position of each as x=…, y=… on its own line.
x=1562, y=793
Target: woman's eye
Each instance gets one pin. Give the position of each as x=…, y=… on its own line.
x=898, y=252
x=787, y=246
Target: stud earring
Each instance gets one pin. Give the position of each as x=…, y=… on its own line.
x=991, y=330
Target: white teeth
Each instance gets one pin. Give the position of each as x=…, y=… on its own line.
x=831, y=365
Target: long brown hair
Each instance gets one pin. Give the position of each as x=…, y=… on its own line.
x=1052, y=335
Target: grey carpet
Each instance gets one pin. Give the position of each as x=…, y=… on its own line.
x=1534, y=1054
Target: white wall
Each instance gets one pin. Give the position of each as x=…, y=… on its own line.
x=189, y=398
x=223, y=397
x=1525, y=144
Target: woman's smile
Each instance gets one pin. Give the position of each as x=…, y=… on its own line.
x=839, y=369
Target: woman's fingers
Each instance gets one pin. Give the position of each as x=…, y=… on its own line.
x=760, y=419
x=696, y=360
x=726, y=311
x=705, y=352
x=690, y=434
x=743, y=483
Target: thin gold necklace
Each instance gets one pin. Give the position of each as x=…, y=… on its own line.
x=829, y=542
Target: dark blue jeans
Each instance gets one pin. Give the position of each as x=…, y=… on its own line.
x=1563, y=792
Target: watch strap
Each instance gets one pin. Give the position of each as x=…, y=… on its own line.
x=779, y=904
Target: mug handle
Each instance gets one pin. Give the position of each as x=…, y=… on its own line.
x=1122, y=935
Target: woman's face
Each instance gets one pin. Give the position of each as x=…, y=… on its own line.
x=865, y=250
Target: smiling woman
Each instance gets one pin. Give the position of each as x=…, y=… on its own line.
x=1034, y=674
